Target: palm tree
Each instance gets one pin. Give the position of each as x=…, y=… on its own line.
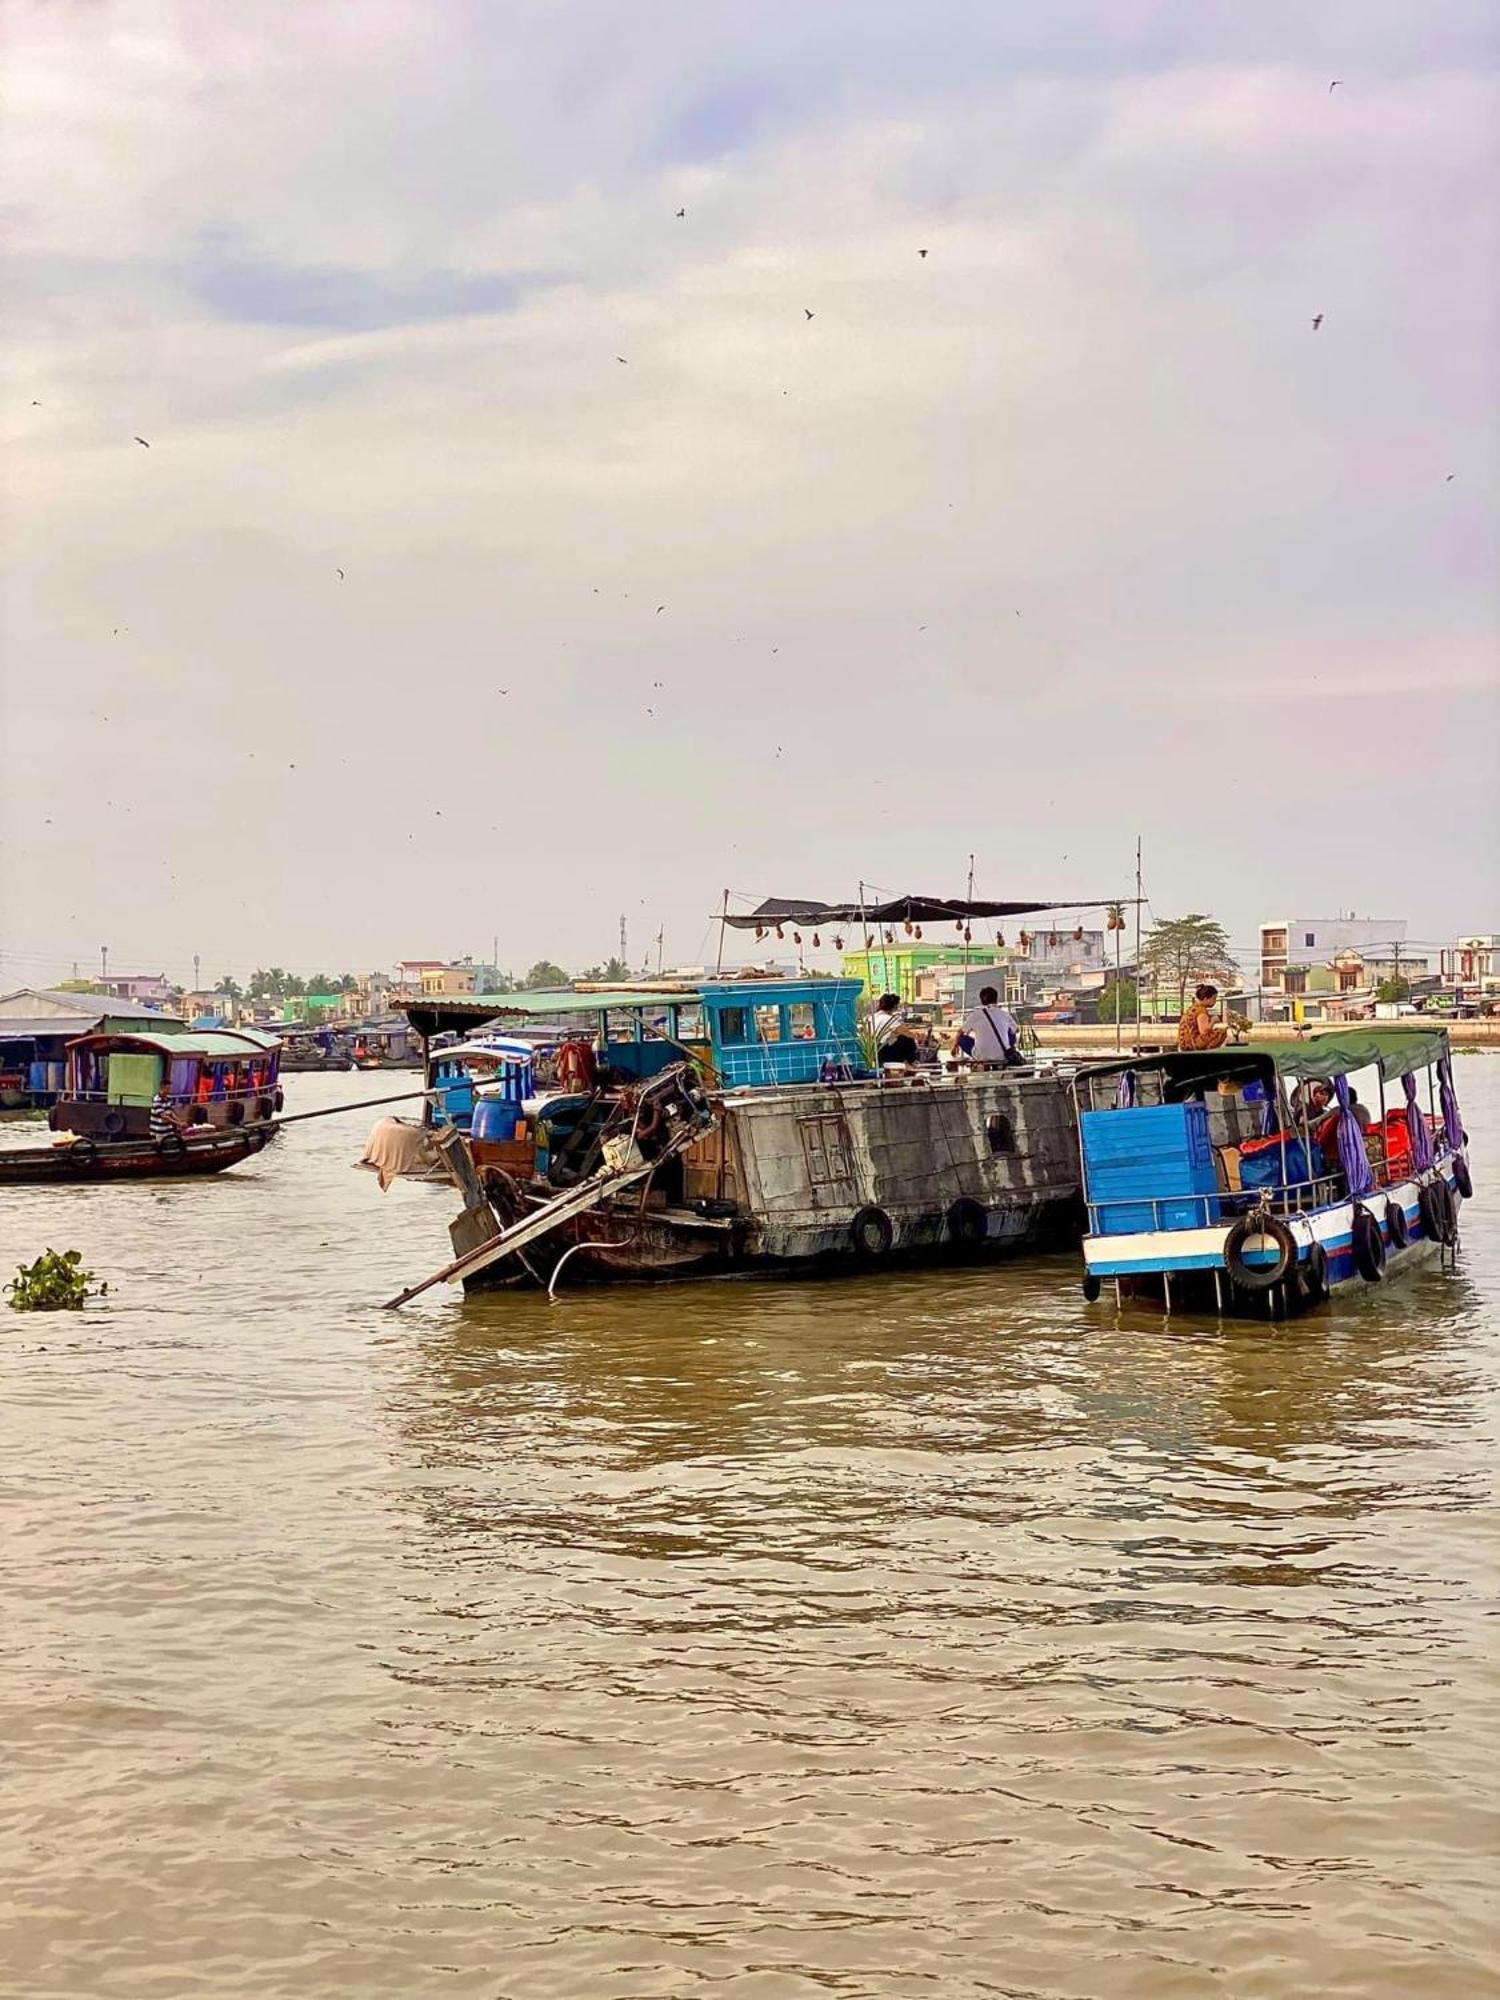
x=230, y=988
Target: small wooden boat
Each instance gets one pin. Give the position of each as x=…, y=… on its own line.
x=131, y=1159
x=157, y=1105
x=1210, y=1188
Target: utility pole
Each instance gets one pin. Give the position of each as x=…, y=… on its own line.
x=624, y=949
x=1138, y=942
x=103, y=963
x=659, y=936
x=197, y=982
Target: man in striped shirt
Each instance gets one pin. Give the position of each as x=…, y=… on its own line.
x=164, y=1118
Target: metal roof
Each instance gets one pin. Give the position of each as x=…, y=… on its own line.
x=33, y=1002
x=217, y=1044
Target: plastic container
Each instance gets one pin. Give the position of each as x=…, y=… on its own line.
x=494, y=1117
x=1260, y=1162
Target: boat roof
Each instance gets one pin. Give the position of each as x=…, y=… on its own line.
x=899, y=910
x=472, y=1010
x=1395, y=1051
x=216, y=1044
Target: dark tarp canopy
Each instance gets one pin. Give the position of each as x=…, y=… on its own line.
x=904, y=910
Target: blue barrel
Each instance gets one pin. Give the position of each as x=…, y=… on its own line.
x=494, y=1118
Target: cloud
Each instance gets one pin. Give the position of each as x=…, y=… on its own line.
x=364, y=286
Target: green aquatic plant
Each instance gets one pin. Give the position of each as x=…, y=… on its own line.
x=56, y=1282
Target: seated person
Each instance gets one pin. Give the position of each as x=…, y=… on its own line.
x=892, y=1041
x=989, y=1033
x=1198, y=1029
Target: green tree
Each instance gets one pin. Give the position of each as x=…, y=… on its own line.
x=544, y=973
x=1182, y=951
x=347, y=983
x=1118, y=1000
x=230, y=988
x=1393, y=989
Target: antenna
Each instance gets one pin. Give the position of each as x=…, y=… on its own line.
x=624, y=951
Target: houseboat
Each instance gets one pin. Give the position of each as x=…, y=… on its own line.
x=1250, y=1180
x=307, y=1049
x=736, y=1125
x=385, y=1045
x=220, y=1106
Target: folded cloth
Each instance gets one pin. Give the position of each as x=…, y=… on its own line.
x=396, y=1147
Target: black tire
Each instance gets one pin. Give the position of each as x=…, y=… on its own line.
x=1368, y=1245
x=52, y=1119
x=236, y=1112
x=1312, y=1274
x=199, y=1115
x=1439, y=1217
x=84, y=1151
x=1092, y=1286
x=264, y=1108
x=871, y=1234
x=1396, y=1225
x=171, y=1145
x=113, y=1125
x=280, y=1098
x=255, y=1139
x=968, y=1221
x=1259, y=1277
x=1463, y=1180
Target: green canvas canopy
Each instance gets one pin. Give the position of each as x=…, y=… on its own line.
x=1395, y=1051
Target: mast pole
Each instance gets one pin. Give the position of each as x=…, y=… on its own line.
x=1138, y=940
x=723, y=926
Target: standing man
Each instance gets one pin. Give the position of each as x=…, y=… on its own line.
x=989, y=1032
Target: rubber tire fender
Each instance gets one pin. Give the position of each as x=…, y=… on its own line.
x=171, y=1146
x=236, y=1111
x=871, y=1232
x=1091, y=1286
x=255, y=1139
x=1439, y=1220
x=84, y=1150
x=264, y=1108
x=280, y=1097
x=1463, y=1180
x=1312, y=1273
x=968, y=1221
x=113, y=1124
x=1368, y=1244
x=1259, y=1277
x=1396, y=1225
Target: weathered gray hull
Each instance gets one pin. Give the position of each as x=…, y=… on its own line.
x=822, y=1177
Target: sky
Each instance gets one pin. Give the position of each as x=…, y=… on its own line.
x=508, y=552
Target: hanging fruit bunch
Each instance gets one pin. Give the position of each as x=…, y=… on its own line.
x=1078, y=935
x=1115, y=917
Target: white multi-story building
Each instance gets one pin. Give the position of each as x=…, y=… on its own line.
x=1291, y=946
x=1476, y=962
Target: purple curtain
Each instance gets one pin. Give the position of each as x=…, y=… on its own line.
x=1453, y=1125
x=1416, y=1126
x=1353, y=1158
x=1125, y=1091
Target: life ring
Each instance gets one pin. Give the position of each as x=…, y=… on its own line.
x=1091, y=1286
x=1264, y=1229
x=171, y=1145
x=1439, y=1217
x=968, y=1221
x=1463, y=1180
x=871, y=1233
x=1313, y=1274
x=113, y=1124
x=1396, y=1225
x=1367, y=1244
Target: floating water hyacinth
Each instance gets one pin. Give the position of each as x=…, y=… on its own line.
x=56, y=1282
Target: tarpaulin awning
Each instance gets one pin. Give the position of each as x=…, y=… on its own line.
x=904, y=910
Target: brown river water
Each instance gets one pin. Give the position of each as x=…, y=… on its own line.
x=937, y=1635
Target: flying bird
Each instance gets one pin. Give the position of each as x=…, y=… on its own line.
x=808, y=311
x=1334, y=85
x=681, y=213
x=660, y=609
x=340, y=576
x=622, y=361
x=921, y=253
x=1450, y=479
x=144, y=441
x=1317, y=321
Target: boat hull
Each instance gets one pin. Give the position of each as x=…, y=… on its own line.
x=127, y=1160
x=1185, y=1269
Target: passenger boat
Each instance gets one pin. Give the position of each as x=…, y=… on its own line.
x=1213, y=1184
x=733, y=1125
x=308, y=1049
x=385, y=1045
x=223, y=1092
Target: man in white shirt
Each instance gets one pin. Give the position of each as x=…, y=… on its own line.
x=989, y=1032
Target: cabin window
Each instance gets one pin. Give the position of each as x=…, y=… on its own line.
x=802, y=1018
x=734, y=1025
x=768, y=1024
x=1000, y=1133
x=825, y=1144
x=690, y=1023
